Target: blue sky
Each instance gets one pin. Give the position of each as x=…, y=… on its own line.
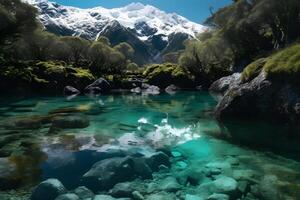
x=195, y=10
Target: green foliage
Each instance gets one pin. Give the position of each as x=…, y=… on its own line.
x=164, y=74
x=125, y=49
x=49, y=75
x=283, y=65
x=241, y=32
x=209, y=59
x=104, y=40
x=76, y=48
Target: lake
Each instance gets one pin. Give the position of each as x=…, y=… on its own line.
x=58, y=137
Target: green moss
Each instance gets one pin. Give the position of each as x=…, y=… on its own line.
x=252, y=70
x=166, y=74
x=283, y=65
x=83, y=73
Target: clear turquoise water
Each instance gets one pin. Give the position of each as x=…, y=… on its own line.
x=182, y=123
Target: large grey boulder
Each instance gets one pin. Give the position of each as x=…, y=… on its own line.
x=225, y=83
x=69, y=90
x=261, y=98
x=99, y=86
x=48, y=190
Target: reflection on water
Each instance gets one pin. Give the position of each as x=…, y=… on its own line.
x=119, y=125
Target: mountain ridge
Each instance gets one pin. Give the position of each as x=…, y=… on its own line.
x=148, y=24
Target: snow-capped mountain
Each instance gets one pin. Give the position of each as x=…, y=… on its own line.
x=143, y=26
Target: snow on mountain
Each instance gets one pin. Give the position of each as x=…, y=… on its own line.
x=150, y=31
x=146, y=20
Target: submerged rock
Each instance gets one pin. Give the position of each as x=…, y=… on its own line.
x=222, y=185
x=71, y=121
x=48, y=190
x=106, y=173
x=218, y=197
x=157, y=159
x=170, y=184
x=69, y=90
x=122, y=190
x=68, y=196
x=7, y=171
x=192, y=197
x=99, y=86
x=83, y=192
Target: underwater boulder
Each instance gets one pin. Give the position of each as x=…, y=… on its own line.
x=106, y=173
x=48, y=190
x=83, y=192
x=7, y=171
x=170, y=184
x=157, y=159
x=68, y=196
x=71, y=121
x=124, y=189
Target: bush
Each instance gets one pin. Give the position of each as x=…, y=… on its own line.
x=163, y=75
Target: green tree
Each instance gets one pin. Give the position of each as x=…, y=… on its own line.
x=125, y=49
x=77, y=47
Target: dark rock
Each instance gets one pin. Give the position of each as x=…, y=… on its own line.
x=157, y=159
x=268, y=188
x=69, y=196
x=141, y=168
x=106, y=173
x=122, y=190
x=99, y=86
x=222, y=185
x=225, y=83
x=108, y=197
x=7, y=171
x=218, y=197
x=69, y=90
x=172, y=89
x=170, y=184
x=71, y=121
x=48, y=190
x=83, y=192
x=137, y=195
x=273, y=101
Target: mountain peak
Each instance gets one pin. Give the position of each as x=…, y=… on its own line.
x=134, y=6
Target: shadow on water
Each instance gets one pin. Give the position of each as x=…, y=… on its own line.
x=264, y=136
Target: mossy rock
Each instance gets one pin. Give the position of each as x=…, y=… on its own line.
x=253, y=69
x=50, y=76
x=283, y=65
x=163, y=75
